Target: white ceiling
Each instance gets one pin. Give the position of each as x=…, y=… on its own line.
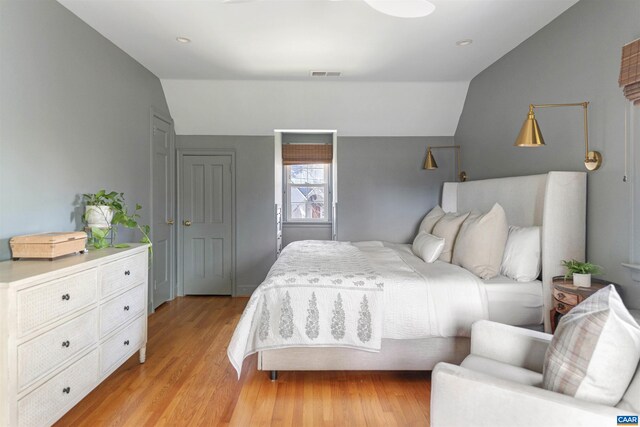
x=286, y=39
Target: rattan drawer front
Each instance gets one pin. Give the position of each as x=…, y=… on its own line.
x=49, y=301
x=121, y=309
x=49, y=401
x=121, y=344
x=123, y=273
x=565, y=297
x=41, y=354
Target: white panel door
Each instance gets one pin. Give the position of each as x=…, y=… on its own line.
x=206, y=224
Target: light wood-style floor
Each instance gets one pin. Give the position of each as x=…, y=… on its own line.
x=187, y=380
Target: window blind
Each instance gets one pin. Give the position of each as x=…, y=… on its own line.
x=302, y=154
x=630, y=71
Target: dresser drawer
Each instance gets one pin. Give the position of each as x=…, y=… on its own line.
x=567, y=298
x=41, y=354
x=48, y=402
x=123, y=273
x=121, y=309
x=49, y=301
x=122, y=344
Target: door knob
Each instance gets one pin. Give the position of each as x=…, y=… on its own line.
x=170, y=222
x=187, y=223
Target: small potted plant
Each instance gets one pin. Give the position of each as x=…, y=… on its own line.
x=581, y=272
x=100, y=208
x=105, y=212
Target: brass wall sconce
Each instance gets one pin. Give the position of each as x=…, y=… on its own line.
x=430, y=162
x=530, y=135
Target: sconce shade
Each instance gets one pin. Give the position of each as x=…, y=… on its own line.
x=430, y=163
x=530, y=135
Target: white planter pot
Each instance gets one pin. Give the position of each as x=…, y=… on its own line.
x=582, y=280
x=98, y=216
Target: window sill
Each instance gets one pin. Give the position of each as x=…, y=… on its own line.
x=635, y=271
x=291, y=224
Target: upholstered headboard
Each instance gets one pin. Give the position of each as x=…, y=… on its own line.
x=556, y=201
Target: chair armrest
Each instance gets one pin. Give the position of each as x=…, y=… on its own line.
x=461, y=397
x=509, y=344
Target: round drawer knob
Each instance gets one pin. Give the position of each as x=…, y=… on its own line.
x=66, y=390
x=561, y=295
x=66, y=297
x=126, y=308
x=126, y=342
x=127, y=273
x=66, y=344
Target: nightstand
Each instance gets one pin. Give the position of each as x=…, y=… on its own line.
x=566, y=296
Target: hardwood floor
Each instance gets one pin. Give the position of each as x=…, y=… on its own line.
x=188, y=380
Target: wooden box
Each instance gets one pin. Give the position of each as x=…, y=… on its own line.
x=48, y=245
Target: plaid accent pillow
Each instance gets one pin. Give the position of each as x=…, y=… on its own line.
x=595, y=350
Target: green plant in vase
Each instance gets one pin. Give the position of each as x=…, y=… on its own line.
x=580, y=272
x=113, y=212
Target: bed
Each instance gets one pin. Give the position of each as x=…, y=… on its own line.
x=555, y=201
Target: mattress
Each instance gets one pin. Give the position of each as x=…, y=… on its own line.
x=514, y=303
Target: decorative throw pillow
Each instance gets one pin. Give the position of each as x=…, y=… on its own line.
x=447, y=228
x=480, y=243
x=430, y=219
x=521, y=260
x=427, y=246
x=595, y=350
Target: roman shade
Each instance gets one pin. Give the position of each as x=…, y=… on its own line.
x=630, y=71
x=299, y=154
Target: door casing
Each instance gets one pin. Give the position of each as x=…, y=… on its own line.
x=181, y=153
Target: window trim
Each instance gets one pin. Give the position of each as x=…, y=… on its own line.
x=328, y=200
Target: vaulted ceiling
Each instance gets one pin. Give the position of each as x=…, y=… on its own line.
x=284, y=40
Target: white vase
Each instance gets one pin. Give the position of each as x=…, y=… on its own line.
x=98, y=216
x=582, y=280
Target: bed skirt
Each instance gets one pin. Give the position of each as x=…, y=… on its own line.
x=395, y=355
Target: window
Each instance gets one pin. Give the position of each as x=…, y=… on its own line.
x=308, y=192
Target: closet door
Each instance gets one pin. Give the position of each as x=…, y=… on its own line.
x=207, y=224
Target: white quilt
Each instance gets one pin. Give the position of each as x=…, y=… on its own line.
x=337, y=294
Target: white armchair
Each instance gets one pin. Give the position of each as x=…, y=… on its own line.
x=498, y=385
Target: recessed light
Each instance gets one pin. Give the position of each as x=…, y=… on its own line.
x=183, y=39
x=465, y=42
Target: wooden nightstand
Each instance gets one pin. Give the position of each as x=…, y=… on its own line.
x=566, y=296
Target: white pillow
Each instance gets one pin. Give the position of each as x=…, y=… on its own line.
x=521, y=260
x=427, y=246
x=480, y=243
x=447, y=228
x=430, y=219
x=595, y=350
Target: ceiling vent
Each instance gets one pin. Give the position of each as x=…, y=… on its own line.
x=325, y=74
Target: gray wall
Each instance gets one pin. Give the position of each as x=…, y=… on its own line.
x=293, y=232
x=575, y=58
x=74, y=113
x=383, y=192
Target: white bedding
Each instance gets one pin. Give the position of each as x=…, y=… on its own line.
x=514, y=303
x=419, y=300
x=438, y=300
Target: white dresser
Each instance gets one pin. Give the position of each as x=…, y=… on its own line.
x=65, y=325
